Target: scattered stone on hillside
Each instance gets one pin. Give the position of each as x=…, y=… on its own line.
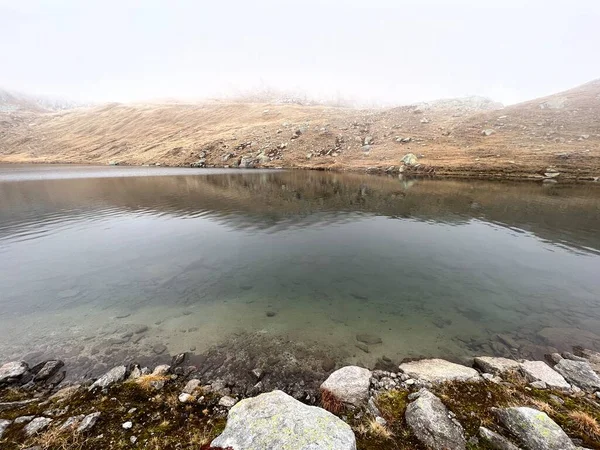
x=3, y=426
x=277, y=421
x=88, y=422
x=227, y=401
x=185, y=398
x=349, y=384
x=534, y=429
x=368, y=140
x=488, y=132
x=127, y=425
x=24, y=419
x=540, y=371
x=495, y=440
x=424, y=120
x=36, y=425
x=410, y=159
x=113, y=376
x=368, y=338
x=6, y=406
x=48, y=369
x=12, y=370
x=554, y=103
x=496, y=365
x=439, y=370
x=579, y=373
x=72, y=422
x=429, y=420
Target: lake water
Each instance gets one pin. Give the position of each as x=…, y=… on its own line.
x=100, y=265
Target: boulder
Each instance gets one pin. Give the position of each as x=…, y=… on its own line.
x=48, y=369
x=495, y=365
x=579, y=373
x=88, y=422
x=410, y=159
x=540, y=371
x=439, y=370
x=277, y=421
x=495, y=440
x=3, y=426
x=429, y=420
x=113, y=376
x=534, y=429
x=71, y=422
x=12, y=370
x=36, y=425
x=349, y=384
x=161, y=370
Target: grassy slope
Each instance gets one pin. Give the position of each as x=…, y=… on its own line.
x=527, y=139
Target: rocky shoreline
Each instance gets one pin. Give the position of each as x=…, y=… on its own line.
x=497, y=403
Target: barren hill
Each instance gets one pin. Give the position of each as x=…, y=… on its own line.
x=464, y=138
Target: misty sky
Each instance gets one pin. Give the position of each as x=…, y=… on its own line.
x=374, y=51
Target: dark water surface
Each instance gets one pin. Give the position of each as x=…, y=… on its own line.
x=105, y=264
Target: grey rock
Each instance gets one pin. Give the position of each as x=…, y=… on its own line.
x=496, y=365
x=277, y=421
x=369, y=339
x=579, y=373
x=495, y=440
x=191, y=386
x=247, y=162
x=349, y=384
x=569, y=355
x=135, y=373
x=439, y=370
x=538, y=385
x=115, y=375
x=362, y=346
x=4, y=424
x=488, y=132
x=88, y=422
x=227, y=401
x=127, y=425
x=372, y=407
x=24, y=419
x=5, y=406
x=159, y=349
x=185, y=398
x=534, y=429
x=429, y=420
x=161, y=370
x=410, y=159
x=36, y=425
x=72, y=422
x=49, y=369
x=12, y=370
x=540, y=371
x=368, y=140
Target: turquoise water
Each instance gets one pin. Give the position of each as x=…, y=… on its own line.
x=197, y=258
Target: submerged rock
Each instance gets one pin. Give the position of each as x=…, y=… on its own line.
x=369, y=339
x=439, y=370
x=496, y=365
x=277, y=421
x=579, y=373
x=430, y=422
x=349, y=384
x=534, y=429
x=114, y=375
x=495, y=440
x=540, y=371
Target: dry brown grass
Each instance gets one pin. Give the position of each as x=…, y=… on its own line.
x=56, y=439
x=585, y=423
x=330, y=402
x=542, y=406
x=379, y=430
x=146, y=381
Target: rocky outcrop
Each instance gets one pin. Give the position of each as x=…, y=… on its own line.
x=579, y=373
x=439, y=370
x=540, y=371
x=534, y=429
x=495, y=365
x=277, y=421
x=36, y=425
x=114, y=375
x=430, y=422
x=12, y=370
x=349, y=384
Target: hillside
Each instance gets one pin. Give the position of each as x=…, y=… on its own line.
x=469, y=137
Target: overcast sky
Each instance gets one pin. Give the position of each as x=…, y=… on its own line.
x=386, y=51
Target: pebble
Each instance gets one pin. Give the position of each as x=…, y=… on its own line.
x=127, y=425
x=227, y=401
x=185, y=398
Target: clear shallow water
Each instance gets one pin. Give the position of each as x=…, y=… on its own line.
x=99, y=265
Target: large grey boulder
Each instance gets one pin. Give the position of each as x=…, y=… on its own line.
x=36, y=425
x=349, y=384
x=534, y=429
x=88, y=422
x=491, y=364
x=3, y=426
x=579, y=373
x=540, y=371
x=495, y=440
x=113, y=376
x=12, y=370
x=439, y=370
x=429, y=420
x=277, y=421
